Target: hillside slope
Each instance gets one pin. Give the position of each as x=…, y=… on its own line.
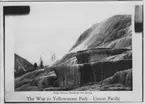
x=114, y=32
x=22, y=65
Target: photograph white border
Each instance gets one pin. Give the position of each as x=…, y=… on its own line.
x=125, y=96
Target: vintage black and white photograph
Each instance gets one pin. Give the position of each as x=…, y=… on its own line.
x=71, y=47
x=72, y=52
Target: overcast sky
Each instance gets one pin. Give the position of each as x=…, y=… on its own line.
x=54, y=27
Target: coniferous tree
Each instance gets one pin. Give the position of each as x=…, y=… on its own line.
x=35, y=65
